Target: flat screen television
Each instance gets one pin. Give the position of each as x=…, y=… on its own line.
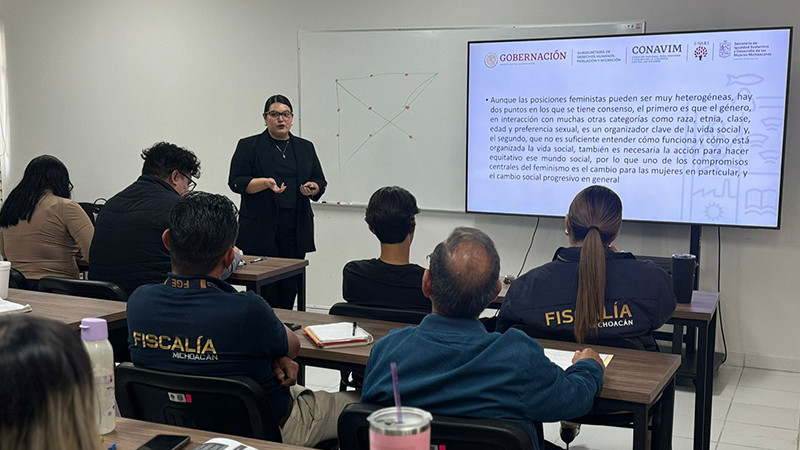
x=686, y=127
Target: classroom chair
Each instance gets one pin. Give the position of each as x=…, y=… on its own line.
x=450, y=432
x=92, y=209
x=234, y=405
x=230, y=405
x=16, y=280
x=373, y=312
x=630, y=343
x=104, y=290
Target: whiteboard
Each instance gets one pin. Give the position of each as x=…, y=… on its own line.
x=388, y=107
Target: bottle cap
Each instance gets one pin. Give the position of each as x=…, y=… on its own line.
x=93, y=329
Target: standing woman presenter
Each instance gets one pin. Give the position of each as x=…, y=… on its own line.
x=277, y=174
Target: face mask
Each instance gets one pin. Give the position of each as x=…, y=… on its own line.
x=233, y=265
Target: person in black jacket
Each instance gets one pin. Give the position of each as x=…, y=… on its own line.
x=276, y=174
x=127, y=248
x=591, y=292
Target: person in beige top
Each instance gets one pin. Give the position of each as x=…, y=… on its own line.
x=43, y=232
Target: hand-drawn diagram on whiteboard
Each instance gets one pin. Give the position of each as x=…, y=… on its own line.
x=372, y=105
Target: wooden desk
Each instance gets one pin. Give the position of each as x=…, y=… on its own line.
x=700, y=320
x=634, y=380
x=347, y=358
x=69, y=309
x=699, y=315
x=129, y=434
x=256, y=276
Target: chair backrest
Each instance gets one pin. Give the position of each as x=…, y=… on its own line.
x=230, y=405
x=92, y=209
x=104, y=290
x=451, y=432
x=372, y=312
x=17, y=280
x=631, y=343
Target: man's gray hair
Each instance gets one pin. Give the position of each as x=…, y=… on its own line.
x=464, y=272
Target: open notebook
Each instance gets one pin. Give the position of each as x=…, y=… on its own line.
x=339, y=334
x=563, y=358
x=7, y=307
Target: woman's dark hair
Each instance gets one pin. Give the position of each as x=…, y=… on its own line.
x=44, y=173
x=390, y=214
x=278, y=98
x=595, y=217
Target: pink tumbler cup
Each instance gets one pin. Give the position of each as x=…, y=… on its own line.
x=413, y=433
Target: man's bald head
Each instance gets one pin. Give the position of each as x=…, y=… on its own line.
x=464, y=270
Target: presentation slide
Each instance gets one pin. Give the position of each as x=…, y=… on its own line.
x=685, y=127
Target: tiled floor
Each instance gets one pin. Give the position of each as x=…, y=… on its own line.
x=752, y=409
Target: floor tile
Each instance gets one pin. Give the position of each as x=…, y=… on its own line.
x=318, y=378
x=759, y=436
x=683, y=426
x=767, y=397
x=685, y=403
x=767, y=416
x=723, y=446
x=726, y=380
x=770, y=379
x=679, y=443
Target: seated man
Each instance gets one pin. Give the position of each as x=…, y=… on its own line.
x=451, y=365
x=389, y=281
x=196, y=323
x=126, y=248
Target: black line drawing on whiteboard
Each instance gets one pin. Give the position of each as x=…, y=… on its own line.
x=375, y=103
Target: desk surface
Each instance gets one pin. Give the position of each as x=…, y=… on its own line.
x=68, y=309
x=267, y=268
x=703, y=306
x=129, y=434
x=632, y=376
x=353, y=355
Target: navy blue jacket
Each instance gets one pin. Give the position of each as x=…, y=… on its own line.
x=639, y=298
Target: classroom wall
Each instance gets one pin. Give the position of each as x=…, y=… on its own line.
x=95, y=81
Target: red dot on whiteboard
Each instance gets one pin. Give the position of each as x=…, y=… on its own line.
x=411, y=136
x=370, y=108
x=408, y=107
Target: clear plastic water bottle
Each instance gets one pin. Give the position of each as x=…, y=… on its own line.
x=94, y=333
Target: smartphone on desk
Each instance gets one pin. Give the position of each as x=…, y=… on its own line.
x=166, y=442
x=293, y=326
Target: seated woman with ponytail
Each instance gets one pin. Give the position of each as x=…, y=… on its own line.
x=591, y=292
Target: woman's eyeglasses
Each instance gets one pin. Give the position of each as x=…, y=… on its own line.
x=275, y=114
